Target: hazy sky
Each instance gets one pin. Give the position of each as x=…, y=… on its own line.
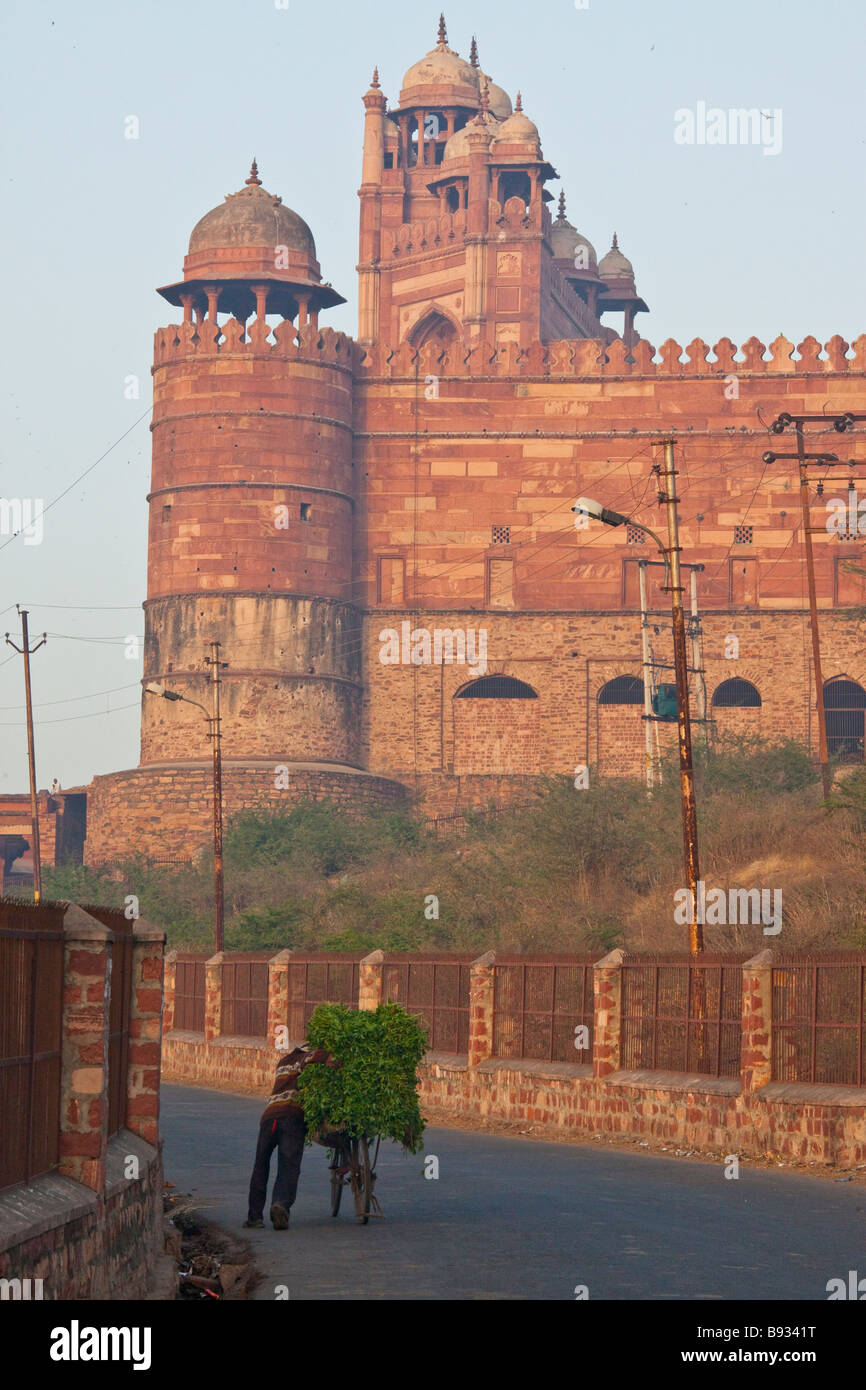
x=726, y=240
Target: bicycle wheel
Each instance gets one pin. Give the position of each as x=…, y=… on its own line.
x=362, y=1180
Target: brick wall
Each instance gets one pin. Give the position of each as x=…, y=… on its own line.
x=750, y=1114
x=90, y=1227
x=168, y=811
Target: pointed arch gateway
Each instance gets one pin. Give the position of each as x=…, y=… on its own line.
x=434, y=325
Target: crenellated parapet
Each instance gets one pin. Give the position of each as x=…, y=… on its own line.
x=207, y=339
x=595, y=359
x=427, y=235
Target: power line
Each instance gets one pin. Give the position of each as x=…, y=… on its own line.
x=81, y=476
x=72, y=699
x=71, y=718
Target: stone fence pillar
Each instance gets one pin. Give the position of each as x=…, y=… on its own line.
x=278, y=1000
x=756, y=1057
x=84, y=1049
x=145, y=1028
x=169, y=989
x=370, y=980
x=607, y=1022
x=481, y=994
x=213, y=997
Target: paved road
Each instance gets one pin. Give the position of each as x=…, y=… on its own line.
x=520, y=1219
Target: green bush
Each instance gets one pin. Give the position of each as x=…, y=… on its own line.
x=375, y=1091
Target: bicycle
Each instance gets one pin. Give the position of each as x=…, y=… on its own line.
x=352, y=1166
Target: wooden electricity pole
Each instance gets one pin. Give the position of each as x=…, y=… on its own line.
x=26, y=651
x=219, y=892
x=669, y=498
x=647, y=678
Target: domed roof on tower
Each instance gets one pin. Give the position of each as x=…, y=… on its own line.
x=520, y=130
x=253, y=238
x=252, y=217
x=565, y=240
x=615, y=266
x=441, y=75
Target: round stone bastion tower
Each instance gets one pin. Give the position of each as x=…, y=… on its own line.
x=250, y=544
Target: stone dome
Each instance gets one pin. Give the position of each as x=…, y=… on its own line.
x=442, y=67
x=458, y=146
x=252, y=217
x=519, y=129
x=565, y=240
x=615, y=266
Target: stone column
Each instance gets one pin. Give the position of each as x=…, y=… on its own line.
x=607, y=1024
x=756, y=1057
x=213, y=997
x=84, y=1049
x=370, y=980
x=169, y=989
x=278, y=996
x=261, y=294
x=481, y=993
x=145, y=1027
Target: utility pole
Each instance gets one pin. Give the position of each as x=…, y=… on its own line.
x=805, y=514
x=215, y=734
x=841, y=423
x=647, y=678
x=26, y=651
x=697, y=667
x=687, y=781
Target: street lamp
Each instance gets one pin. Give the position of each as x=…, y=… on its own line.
x=587, y=506
x=671, y=554
x=213, y=719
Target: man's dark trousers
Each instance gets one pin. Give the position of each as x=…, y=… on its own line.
x=286, y=1133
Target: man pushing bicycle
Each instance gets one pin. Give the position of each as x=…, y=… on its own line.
x=282, y=1128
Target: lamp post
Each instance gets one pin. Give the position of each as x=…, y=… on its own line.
x=671, y=555
x=213, y=719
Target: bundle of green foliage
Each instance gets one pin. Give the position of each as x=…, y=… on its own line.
x=374, y=1091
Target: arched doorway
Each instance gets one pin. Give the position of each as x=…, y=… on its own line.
x=496, y=728
x=844, y=717
x=620, y=744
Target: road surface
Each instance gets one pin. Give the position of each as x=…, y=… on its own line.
x=521, y=1219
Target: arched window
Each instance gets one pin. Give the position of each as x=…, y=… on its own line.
x=624, y=690
x=844, y=716
x=497, y=688
x=736, y=694
x=516, y=185
x=433, y=326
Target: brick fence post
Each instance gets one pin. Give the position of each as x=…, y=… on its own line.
x=481, y=993
x=370, y=980
x=278, y=998
x=756, y=1057
x=84, y=1058
x=607, y=1021
x=145, y=1029
x=213, y=997
x=169, y=989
